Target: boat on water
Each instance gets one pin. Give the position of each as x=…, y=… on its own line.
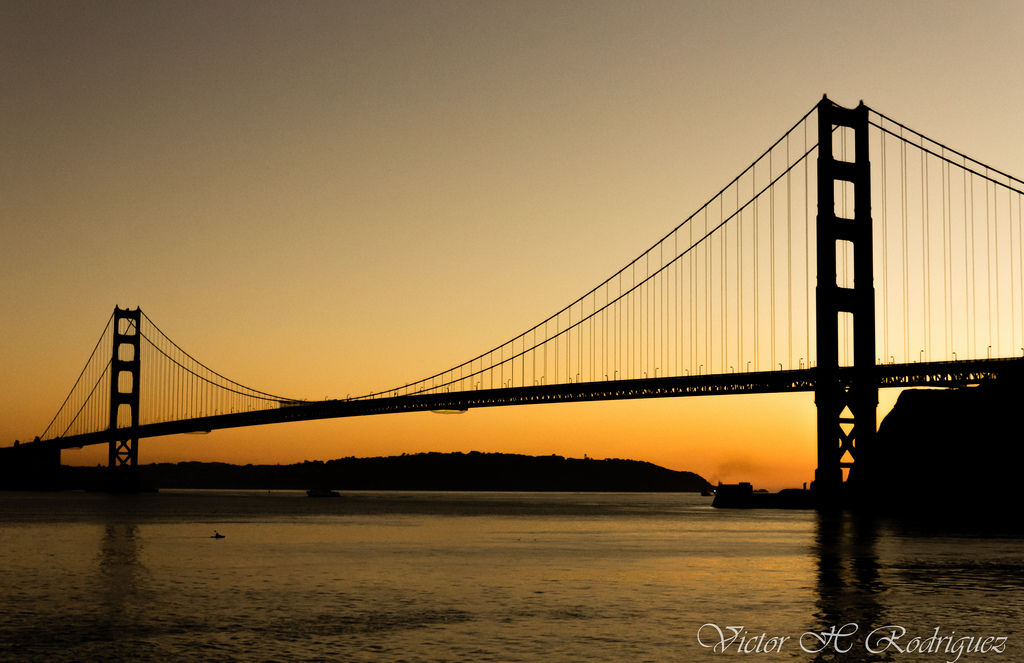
x=743, y=496
x=322, y=492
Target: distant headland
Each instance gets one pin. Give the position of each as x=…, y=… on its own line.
x=423, y=471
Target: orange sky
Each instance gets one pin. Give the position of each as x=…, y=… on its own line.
x=320, y=199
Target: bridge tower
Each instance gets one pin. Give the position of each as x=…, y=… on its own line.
x=846, y=396
x=122, y=464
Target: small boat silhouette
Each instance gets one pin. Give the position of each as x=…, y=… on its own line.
x=217, y=535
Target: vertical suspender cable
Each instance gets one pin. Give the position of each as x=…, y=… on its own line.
x=974, y=277
x=927, y=251
x=988, y=261
x=807, y=246
x=967, y=267
x=926, y=227
x=885, y=254
x=943, y=174
x=1013, y=281
x=695, y=303
x=995, y=286
x=1020, y=262
x=722, y=283
x=707, y=296
x=789, y=252
x=906, y=264
x=757, y=273
x=739, y=281
x=771, y=262
x=739, y=284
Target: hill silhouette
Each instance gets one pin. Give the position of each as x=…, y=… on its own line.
x=423, y=471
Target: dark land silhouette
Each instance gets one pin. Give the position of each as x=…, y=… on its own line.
x=424, y=471
x=948, y=449
x=939, y=452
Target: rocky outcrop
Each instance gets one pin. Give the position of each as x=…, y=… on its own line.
x=942, y=449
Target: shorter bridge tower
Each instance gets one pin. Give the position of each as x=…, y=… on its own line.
x=123, y=457
x=846, y=396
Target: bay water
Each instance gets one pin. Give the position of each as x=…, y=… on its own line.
x=435, y=576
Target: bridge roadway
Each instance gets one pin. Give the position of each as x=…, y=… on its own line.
x=927, y=374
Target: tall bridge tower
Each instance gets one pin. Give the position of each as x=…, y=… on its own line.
x=846, y=396
x=123, y=455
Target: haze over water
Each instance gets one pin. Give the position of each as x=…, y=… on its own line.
x=399, y=576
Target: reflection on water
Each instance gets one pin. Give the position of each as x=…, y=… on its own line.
x=906, y=591
x=849, y=586
x=121, y=580
x=483, y=577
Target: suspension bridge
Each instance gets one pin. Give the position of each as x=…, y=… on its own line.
x=853, y=254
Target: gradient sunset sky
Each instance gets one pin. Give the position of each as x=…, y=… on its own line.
x=321, y=199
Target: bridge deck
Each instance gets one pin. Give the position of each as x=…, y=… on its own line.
x=930, y=374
